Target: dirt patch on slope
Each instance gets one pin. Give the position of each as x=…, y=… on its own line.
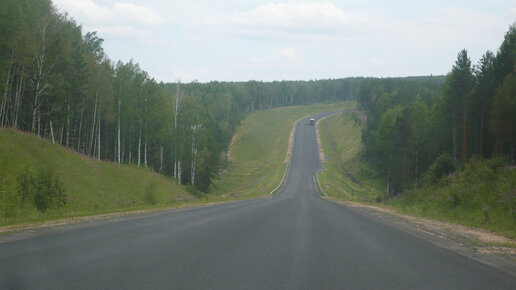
x=233, y=139
x=318, y=137
x=291, y=140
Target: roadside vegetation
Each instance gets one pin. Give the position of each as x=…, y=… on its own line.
x=408, y=127
x=480, y=194
x=343, y=175
x=483, y=194
x=444, y=153
x=257, y=157
x=43, y=181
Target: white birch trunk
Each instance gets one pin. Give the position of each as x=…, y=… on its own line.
x=98, y=138
x=93, y=125
x=179, y=171
x=175, y=167
x=80, y=128
x=177, y=164
x=194, y=163
x=145, y=153
x=146, y=132
x=140, y=140
x=119, y=105
x=61, y=134
x=17, y=99
x=3, y=108
x=52, y=132
x=68, y=123
x=39, y=86
x=194, y=154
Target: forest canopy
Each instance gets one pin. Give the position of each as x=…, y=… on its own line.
x=473, y=116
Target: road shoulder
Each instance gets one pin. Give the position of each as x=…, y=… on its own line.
x=480, y=245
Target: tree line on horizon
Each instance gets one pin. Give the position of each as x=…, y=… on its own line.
x=474, y=116
x=58, y=83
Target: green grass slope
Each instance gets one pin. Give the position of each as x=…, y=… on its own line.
x=344, y=176
x=91, y=186
x=257, y=159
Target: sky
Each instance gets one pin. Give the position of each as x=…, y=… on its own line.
x=239, y=40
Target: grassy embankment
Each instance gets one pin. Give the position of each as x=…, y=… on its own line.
x=257, y=158
x=96, y=187
x=481, y=195
x=92, y=187
x=344, y=176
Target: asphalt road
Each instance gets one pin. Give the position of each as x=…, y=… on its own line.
x=295, y=240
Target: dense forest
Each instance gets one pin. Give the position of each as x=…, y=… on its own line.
x=58, y=83
x=410, y=131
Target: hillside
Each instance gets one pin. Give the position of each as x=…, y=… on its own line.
x=90, y=186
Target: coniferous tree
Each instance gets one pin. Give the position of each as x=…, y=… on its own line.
x=457, y=96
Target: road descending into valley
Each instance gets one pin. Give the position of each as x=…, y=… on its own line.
x=293, y=240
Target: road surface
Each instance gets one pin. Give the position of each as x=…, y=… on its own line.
x=294, y=240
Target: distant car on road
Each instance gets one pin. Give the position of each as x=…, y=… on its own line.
x=312, y=121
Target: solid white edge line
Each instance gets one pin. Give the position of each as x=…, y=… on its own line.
x=282, y=179
x=319, y=183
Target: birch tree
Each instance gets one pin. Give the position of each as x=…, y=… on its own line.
x=177, y=109
x=40, y=76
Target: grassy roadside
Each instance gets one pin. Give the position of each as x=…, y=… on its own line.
x=344, y=177
x=257, y=156
x=91, y=186
x=481, y=196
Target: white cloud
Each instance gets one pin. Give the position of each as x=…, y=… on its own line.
x=280, y=57
x=288, y=53
x=283, y=61
x=194, y=39
x=120, y=30
x=511, y=14
x=381, y=62
x=136, y=13
x=346, y=65
x=122, y=19
x=292, y=19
